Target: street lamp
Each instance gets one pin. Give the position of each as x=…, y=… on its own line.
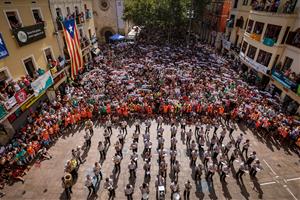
x=190, y=15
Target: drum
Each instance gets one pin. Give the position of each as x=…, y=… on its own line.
x=176, y=196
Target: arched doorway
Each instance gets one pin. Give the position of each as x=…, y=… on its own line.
x=107, y=35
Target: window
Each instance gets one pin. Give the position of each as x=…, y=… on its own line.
x=48, y=54
x=244, y=47
x=272, y=32
x=294, y=38
x=258, y=28
x=264, y=58
x=235, y=3
x=287, y=64
x=251, y=51
x=104, y=4
x=249, y=26
x=240, y=22
x=4, y=75
x=37, y=15
x=245, y=2
x=30, y=67
x=13, y=19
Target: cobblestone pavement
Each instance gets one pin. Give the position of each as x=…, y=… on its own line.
x=280, y=178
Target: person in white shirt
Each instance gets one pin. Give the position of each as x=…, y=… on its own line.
x=174, y=188
x=108, y=125
x=210, y=171
x=187, y=189
x=173, y=130
x=97, y=171
x=189, y=137
x=145, y=191
x=238, y=141
x=197, y=128
x=128, y=191
x=101, y=149
x=109, y=185
x=89, y=184
x=88, y=141
x=106, y=135
x=159, y=122
x=148, y=124
x=124, y=127
x=255, y=168
x=241, y=171
x=137, y=126
x=132, y=167
x=182, y=123
x=224, y=172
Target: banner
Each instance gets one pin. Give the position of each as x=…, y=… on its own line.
x=28, y=34
x=2, y=111
x=42, y=83
x=11, y=102
x=21, y=96
x=3, y=49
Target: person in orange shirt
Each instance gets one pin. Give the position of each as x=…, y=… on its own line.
x=30, y=151
x=83, y=113
x=89, y=113
x=45, y=137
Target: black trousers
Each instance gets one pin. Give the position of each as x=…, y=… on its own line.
x=129, y=196
x=91, y=188
x=109, y=129
x=186, y=194
x=239, y=173
x=137, y=129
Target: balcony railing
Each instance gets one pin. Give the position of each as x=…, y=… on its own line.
x=285, y=81
x=255, y=65
x=275, y=7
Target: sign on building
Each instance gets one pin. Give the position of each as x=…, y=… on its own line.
x=29, y=34
x=3, y=49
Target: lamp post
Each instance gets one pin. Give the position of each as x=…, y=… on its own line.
x=190, y=15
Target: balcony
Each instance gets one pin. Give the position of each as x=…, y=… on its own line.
x=255, y=36
x=286, y=81
x=255, y=65
x=269, y=41
x=276, y=7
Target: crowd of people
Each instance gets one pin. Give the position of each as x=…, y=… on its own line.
x=137, y=83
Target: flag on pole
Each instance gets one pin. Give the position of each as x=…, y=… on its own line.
x=73, y=46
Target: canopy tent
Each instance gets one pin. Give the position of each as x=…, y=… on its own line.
x=117, y=37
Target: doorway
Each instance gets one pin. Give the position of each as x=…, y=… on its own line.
x=107, y=35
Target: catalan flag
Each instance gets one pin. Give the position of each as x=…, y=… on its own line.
x=73, y=46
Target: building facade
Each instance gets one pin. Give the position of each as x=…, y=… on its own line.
x=29, y=53
x=108, y=15
x=82, y=11
x=267, y=40
x=213, y=24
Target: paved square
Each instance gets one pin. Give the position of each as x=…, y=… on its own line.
x=278, y=180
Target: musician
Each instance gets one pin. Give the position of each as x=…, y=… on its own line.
x=67, y=183
x=187, y=189
x=241, y=170
x=109, y=185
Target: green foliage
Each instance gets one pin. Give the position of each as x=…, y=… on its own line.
x=162, y=13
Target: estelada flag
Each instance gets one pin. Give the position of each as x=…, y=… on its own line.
x=73, y=46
